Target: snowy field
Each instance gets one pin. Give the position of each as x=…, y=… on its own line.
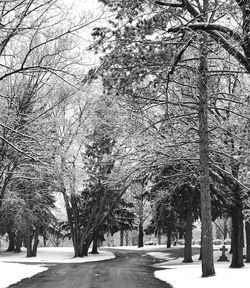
x=44, y=255
x=181, y=275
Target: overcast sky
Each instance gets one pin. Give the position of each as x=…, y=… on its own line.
x=84, y=5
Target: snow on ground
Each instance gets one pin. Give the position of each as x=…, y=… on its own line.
x=12, y=272
x=54, y=255
x=146, y=247
x=44, y=255
x=181, y=275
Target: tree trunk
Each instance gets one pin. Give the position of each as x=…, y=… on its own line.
x=247, y=229
x=159, y=239
x=95, y=245
x=70, y=222
x=169, y=234
x=121, y=237
x=126, y=238
x=188, y=238
x=232, y=241
x=206, y=215
x=237, y=235
x=85, y=248
x=35, y=243
x=247, y=223
x=44, y=239
x=80, y=249
x=29, y=243
x=140, y=235
x=18, y=242
x=11, y=246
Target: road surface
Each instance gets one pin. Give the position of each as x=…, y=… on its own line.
x=130, y=269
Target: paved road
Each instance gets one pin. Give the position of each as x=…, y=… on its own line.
x=130, y=269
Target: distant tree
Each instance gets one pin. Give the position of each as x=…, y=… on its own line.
x=121, y=218
x=140, y=195
x=56, y=232
x=164, y=218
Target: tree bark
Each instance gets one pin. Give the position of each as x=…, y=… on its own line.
x=140, y=235
x=32, y=242
x=247, y=223
x=11, y=246
x=28, y=243
x=126, y=238
x=237, y=235
x=169, y=234
x=232, y=240
x=206, y=215
x=121, y=237
x=247, y=229
x=18, y=242
x=95, y=245
x=44, y=239
x=188, y=238
x=35, y=243
x=85, y=248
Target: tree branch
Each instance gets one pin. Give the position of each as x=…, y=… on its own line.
x=17, y=149
x=213, y=31
x=190, y=8
x=168, y=4
x=210, y=27
x=229, y=174
x=230, y=49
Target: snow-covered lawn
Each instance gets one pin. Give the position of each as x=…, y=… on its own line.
x=44, y=255
x=54, y=255
x=181, y=275
x=145, y=247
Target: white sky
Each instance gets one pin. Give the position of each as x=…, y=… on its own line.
x=86, y=4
